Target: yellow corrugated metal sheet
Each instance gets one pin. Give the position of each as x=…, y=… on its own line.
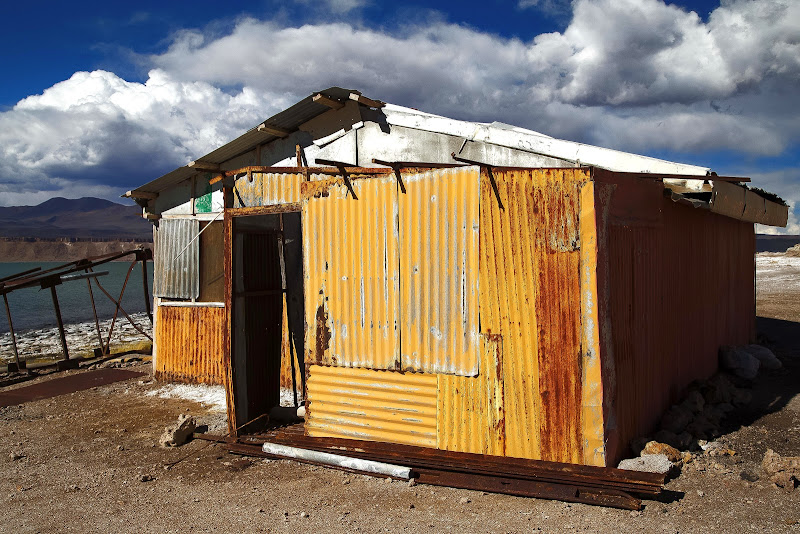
x=189, y=344
x=372, y=405
x=530, y=294
x=352, y=273
x=438, y=213
x=470, y=410
x=265, y=189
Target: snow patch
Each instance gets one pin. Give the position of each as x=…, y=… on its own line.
x=212, y=397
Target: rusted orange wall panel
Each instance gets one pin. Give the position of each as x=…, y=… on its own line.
x=352, y=273
x=372, y=405
x=470, y=411
x=530, y=294
x=679, y=287
x=189, y=341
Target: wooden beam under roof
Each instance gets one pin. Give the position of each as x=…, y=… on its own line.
x=332, y=103
x=361, y=99
x=203, y=166
x=273, y=130
x=141, y=194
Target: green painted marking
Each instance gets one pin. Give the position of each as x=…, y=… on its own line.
x=203, y=204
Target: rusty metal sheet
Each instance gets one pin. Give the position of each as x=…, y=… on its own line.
x=531, y=296
x=352, y=272
x=677, y=293
x=470, y=410
x=65, y=385
x=267, y=189
x=439, y=214
x=594, y=380
x=189, y=341
x=372, y=405
x=176, y=258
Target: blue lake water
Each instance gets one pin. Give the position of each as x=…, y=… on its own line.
x=33, y=307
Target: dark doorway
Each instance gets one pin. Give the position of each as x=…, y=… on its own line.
x=267, y=315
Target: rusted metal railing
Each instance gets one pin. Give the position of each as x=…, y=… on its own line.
x=55, y=276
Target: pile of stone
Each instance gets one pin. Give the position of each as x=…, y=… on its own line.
x=694, y=423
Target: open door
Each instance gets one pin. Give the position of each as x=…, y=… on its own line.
x=265, y=306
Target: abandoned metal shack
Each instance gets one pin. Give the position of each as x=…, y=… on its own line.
x=454, y=285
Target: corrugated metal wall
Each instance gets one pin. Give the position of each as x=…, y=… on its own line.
x=471, y=411
x=352, y=270
x=438, y=213
x=189, y=341
x=530, y=294
x=175, y=272
x=679, y=288
x=372, y=405
x=265, y=189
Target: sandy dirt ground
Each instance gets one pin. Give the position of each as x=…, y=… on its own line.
x=89, y=462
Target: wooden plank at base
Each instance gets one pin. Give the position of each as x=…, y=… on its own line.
x=480, y=482
x=529, y=488
x=638, y=482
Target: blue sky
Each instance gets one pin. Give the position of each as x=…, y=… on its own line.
x=100, y=97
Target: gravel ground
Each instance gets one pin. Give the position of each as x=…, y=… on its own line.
x=90, y=463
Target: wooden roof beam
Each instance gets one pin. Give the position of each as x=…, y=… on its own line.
x=361, y=99
x=273, y=130
x=203, y=166
x=146, y=195
x=332, y=103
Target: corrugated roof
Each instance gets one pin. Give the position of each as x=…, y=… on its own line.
x=289, y=119
x=493, y=133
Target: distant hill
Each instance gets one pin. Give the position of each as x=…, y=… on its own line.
x=81, y=218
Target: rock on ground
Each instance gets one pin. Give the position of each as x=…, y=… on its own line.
x=178, y=433
x=739, y=362
x=650, y=463
x=765, y=356
x=783, y=471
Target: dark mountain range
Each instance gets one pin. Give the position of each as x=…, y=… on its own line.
x=775, y=243
x=81, y=218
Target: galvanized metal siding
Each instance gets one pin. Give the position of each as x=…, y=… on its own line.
x=372, y=405
x=189, y=341
x=439, y=213
x=679, y=290
x=352, y=273
x=177, y=256
x=265, y=189
x=471, y=414
x=530, y=294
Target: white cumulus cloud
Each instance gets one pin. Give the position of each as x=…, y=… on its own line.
x=637, y=75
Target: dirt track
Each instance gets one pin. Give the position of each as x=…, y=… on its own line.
x=73, y=477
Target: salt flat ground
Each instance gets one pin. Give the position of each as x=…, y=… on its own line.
x=84, y=457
